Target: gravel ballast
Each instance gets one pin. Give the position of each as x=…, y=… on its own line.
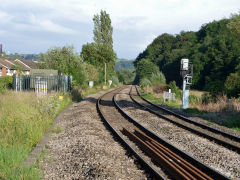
x=85, y=149
x=217, y=157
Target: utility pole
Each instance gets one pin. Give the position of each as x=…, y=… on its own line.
x=105, y=74
x=186, y=71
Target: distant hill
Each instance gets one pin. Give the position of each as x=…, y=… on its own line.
x=23, y=56
x=124, y=64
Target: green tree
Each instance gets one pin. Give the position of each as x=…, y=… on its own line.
x=126, y=76
x=66, y=61
x=234, y=24
x=90, y=54
x=232, y=85
x=213, y=50
x=145, y=68
x=157, y=78
x=101, y=50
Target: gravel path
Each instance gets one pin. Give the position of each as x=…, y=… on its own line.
x=85, y=149
x=220, y=158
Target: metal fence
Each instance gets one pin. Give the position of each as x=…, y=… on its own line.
x=42, y=84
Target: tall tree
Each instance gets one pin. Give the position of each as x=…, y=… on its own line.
x=103, y=29
x=97, y=29
x=101, y=50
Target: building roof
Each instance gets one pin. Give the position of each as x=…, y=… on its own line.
x=24, y=64
x=27, y=63
x=7, y=63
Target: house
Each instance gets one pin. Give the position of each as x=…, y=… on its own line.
x=10, y=67
x=7, y=67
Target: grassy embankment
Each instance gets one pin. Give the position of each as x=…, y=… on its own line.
x=24, y=119
x=223, y=111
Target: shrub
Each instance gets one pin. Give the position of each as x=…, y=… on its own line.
x=206, y=98
x=115, y=80
x=145, y=68
x=126, y=76
x=157, y=78
x=174, y=88
x=215, y=88
x=160, y=89
x=232, y=85
x=76, y=94
x=6, y=83
x=194, y=99
x=145, y=82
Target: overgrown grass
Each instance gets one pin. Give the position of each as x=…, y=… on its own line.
x=222, y=111
x=233, y=122
x=194, y=111
x=24, y=119
x=159, y=100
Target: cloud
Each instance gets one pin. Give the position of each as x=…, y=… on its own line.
x=4, y=17
x=48, y=25
x=137, y=20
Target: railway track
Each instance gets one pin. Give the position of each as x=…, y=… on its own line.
x=222, y=138
x=161, y=158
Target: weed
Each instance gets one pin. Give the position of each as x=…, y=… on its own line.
x=47, y=146
x=233, y=122
x=57, y=130
x=24, y=119
x=194, y=111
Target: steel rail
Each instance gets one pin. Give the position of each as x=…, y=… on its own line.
x=125, y=143
x=230, y=136
x=205, y=168
x=216, y=140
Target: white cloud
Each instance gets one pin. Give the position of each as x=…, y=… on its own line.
x=4, y=17
x=48, y=25
x=147, y=17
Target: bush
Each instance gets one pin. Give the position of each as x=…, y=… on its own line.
x=215, y=88
x=160, y=89
x=206, y=98
x=6, y=83
x=174, y=88
x=76, y=94
x=145, y=68
x=145, y=82
x=157, y=78
x=194, y=99
x=232, y=85
x=115, y=80
x=126, y=76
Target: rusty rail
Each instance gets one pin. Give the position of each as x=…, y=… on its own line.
x=181, y=168
x=211, y=129
x=176, y=166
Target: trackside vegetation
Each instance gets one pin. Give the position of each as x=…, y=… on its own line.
x=215, y=54
x=213, y=50
x=221, y=110
x=24, y=119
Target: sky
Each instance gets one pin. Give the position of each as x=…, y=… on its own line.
x=34, y=26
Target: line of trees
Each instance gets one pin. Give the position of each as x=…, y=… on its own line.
x=89, y=65
x=213, y=50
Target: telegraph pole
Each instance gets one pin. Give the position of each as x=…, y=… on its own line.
x=105, y=74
